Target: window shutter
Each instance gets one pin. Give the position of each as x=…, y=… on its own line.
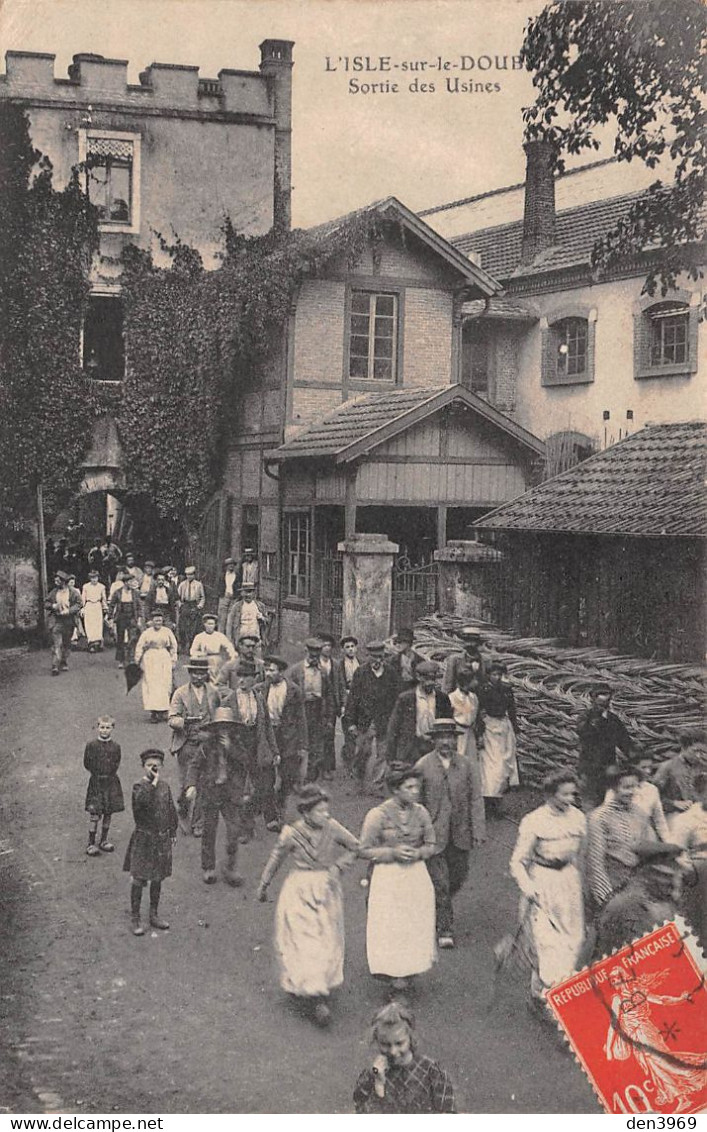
x=548, y=359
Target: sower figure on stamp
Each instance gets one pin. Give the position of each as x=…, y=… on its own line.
x=319, y=703
x=285, y=703
x=449, y=792
x=192, y=706
x=369, y=704
x=217, y=777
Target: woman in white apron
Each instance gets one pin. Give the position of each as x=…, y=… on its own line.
x=499, y=765
x=156, y=652
x=95, y=607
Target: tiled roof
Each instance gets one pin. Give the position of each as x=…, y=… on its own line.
x=345, y=431
x=506, y=310
x=576, y=232
x=651, y=484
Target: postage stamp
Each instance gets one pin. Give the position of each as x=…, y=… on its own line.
x=637, y=1022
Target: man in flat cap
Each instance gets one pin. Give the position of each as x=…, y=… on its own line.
x=317, y=687
x=344, y=668
x=63, y=605
x=472, y=658
x=405, y=661
x=450, y=794
x=227, y=592
x=246, y=652
x=125, y=613
x=192, y=600
x=409, y=729
x=371, y=699
x=285, y=703
x=248, y=617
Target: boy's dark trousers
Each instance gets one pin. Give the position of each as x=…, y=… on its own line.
x=219, y=800
x=125, y=627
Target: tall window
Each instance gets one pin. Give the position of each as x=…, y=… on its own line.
x=103, y=346
x=477, y=355
x=298, y=540
x=110, y=178
x=373, y=336
x=571, y=344
x=669, y=334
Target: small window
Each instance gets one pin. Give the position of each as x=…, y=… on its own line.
x=298, y=542
x=568, y=350
x=103, y=345
x=477, y=353
x=669, y=334
x=373, y=336
x=109, y=164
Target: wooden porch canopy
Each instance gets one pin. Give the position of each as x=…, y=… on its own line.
x=436, y=447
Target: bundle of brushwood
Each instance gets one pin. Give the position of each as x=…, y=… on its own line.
x=552, y=683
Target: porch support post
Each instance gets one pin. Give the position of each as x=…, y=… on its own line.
x=441, y=526
x=368, y=585
x=350, y=505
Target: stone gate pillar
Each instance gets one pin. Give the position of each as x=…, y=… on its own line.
x=468, y=573
x=368, y=585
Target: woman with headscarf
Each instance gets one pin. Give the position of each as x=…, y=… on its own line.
x=398, y=837
x=309, y=918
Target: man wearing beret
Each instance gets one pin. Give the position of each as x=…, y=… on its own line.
x=409, y=728
x=63, y=605
x=449, y=792
x=285, y=703
x=373, y=694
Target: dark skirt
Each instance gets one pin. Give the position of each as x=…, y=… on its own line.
x=104, y=794
x=149, y=855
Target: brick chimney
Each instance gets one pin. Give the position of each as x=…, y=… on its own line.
x=539, y=214
x=276, y=63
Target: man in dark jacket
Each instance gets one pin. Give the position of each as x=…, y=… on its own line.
x=601, y=733
x=320, y=703
x=371, y=699
x=410, y=724
x=63, y=605
x=218, y=778
x=125, y=612
x=255, y=746
x=405, y=661
x=285, y=703
x=448, y=793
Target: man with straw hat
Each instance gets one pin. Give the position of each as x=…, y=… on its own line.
x=192, y=706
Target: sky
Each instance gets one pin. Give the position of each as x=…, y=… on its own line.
x=349, y=146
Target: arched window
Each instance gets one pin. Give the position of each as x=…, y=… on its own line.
x=665, y=337
x=568, y=348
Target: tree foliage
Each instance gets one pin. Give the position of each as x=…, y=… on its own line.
x=47, y=238
x=639, y=66
x=195, y=339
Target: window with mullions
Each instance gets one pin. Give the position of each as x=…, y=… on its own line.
x=109, y=164
x=571, y=339
x=373, y=336
x=669, y=343
x=298, y=548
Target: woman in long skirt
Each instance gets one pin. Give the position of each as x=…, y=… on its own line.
x=546, y=866
x=309, y=918
x=95, y=607
x=499, y=765
x=156, y=652
x=398, y=836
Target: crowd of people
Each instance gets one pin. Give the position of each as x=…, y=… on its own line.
x=615, y=848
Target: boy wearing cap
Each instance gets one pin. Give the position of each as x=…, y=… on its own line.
x=371, y=699
x=149, y=854
x=410, y=724
x=449, y=792
x=213, y=645
x=317, y=688
x=95, y=607
x=192, y=600
x=192, y=706
x=227, y=591
x=63, y=604
x=285, y=704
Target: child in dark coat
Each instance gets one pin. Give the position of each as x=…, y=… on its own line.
x=149, y=854
x=104, y=796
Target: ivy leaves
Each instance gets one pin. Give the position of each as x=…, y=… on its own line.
x=47, y=239
x=636, y=64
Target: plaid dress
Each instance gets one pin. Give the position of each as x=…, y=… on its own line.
x=421, y=1086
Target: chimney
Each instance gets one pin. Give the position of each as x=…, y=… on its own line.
x=276, y=64
x=539, y=214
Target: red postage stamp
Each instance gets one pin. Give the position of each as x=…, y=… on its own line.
x=637, y=1022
